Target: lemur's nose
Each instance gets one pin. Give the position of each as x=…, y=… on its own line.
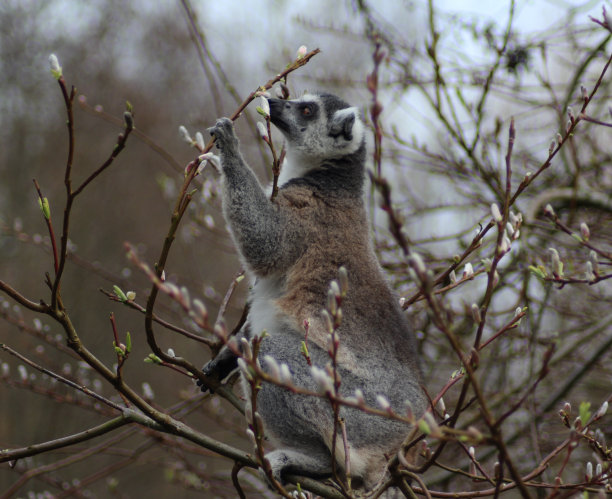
x=277, y=104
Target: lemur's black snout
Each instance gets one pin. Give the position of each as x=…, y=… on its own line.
x=276, y=113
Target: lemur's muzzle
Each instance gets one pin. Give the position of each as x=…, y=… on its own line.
x=277, y=106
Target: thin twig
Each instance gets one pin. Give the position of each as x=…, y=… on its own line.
x=47, y=218
x=61, y=379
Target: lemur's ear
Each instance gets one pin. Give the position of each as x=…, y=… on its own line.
x=342, y=123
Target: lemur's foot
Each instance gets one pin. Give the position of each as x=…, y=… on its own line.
x=219, y=368
x=289, y=461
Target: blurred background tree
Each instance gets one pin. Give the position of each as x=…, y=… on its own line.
x=448, y=82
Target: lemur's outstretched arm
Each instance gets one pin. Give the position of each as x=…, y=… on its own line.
x=268, y=237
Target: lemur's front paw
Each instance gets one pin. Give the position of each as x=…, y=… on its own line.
x=223, y=131
x=210, y=371
x=219, y=368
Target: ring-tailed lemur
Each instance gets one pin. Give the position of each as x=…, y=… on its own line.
x=293, y=247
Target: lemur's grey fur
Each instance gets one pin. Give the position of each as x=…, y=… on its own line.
x=293, y=247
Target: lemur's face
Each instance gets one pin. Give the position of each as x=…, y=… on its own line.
x=318, y=126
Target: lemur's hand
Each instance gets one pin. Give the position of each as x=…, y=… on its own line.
x=210, y=371
x=223, y=132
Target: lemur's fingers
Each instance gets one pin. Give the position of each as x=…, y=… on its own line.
x=223, y=132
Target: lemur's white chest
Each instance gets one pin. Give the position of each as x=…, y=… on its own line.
x=295, y=166
x=264, y=312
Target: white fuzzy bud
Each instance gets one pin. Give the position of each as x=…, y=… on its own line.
x=334, y=287
x=301, y=52
x=513, y=219
x=548, y=210
x=442, y=405
x=338, y=318
x=264, y=107
x=584, y=231
x=583, y=92
x=476, y=313
x=589, y=274
x=598, y=470
x=495, y=278
x=324, y=382
x=56, y=69
x=263, y=132
x=601, y=412
x=332, y=303
x=497, y=216
x=589, y=471
x=285, y=374
x=23, y=372
x=383, y=402
x=452, y=276
x=329, y=323
x=211, y=158
x=505, y=245
x=472, y=452
x=359, y=396
x=171, y=353
x=468, y=271
x=147, y=391
x=185, y=134
x=200, y=140
x=551, y=147
x=559, y=138
x=273, y=367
